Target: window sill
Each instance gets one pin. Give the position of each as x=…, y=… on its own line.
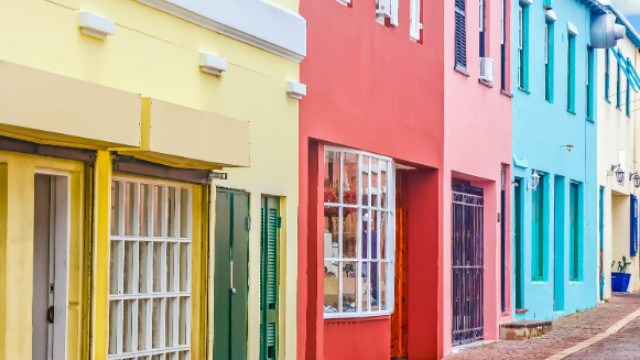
x=539, y=280
x=522, y=311
x=363, y=316
x=461, y=70
x=506, y=93
x=572, y=112
x=524, y=90
x=575, y=281
x=591, y=120
x=607, y=100
x=486, y=83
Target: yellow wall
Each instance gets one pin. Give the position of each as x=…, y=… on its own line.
x=156, y=55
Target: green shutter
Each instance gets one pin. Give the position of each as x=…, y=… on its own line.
x=270, y=221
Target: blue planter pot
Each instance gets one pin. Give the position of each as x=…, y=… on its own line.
x=620, y=281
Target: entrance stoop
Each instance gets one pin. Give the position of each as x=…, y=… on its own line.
x=525, y=329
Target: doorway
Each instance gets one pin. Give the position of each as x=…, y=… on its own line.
x=467, y=263
x=50, y=272
x=518, y=244
x=231, y=275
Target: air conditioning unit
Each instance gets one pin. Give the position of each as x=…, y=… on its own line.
x=486, y=69
x=383, y=8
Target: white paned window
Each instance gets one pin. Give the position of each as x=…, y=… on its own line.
x=387, y=12
x=359, y=233
x=150, y=271
x=415, y=25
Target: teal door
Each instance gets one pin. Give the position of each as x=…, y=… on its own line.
x=230, y=277
x=269, y=280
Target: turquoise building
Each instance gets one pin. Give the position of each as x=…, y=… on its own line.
x=554, y=214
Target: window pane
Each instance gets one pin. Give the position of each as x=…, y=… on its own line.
x=373, y=226
x=129, y=208
x=373, y=189
x=185, y=270
x=145, y=209
x=373, y=285
x=185, y=314
x=365, y=234
x=331, y=232
x=143, y=318
x=115, y=207
x=383, y=184
x=184, y=213
x=364, y=166
x=384, y=237
x=331, y=176
x=349, y=286
x=158, y=203
x=113, y=327
x=169, y=325
x=129, y=276
x=157, y=267
x=144, y=267
x=157, y=323
x=331, y=285
x=364, y=291
x=113, y=268
x=184, y=355
x=349, y=232
x=350, y=179
x=171, y=213
x=384, y=267
x=171, y=270
x=128, y=326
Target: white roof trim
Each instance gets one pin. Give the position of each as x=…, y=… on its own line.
x=572, y=28
x=255, y=22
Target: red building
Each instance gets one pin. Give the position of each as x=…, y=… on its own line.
x=378, y=163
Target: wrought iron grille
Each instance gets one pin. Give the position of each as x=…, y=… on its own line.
x=468, y=264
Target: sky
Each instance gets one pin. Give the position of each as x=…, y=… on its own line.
x=631, y=10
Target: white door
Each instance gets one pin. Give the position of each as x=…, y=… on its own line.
x=50, y=258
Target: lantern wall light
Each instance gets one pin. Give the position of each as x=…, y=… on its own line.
x=617, y=170
x=535, y=180
x=635, y=179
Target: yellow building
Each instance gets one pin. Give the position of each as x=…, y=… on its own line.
x=618, y=159
x=149, y=178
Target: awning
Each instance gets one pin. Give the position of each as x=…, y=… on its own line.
x=628, y=69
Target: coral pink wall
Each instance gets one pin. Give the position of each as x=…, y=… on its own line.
x=360, y=338
x=370, y=87
x=477, y=143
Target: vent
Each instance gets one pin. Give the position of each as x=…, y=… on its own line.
x=486, y=69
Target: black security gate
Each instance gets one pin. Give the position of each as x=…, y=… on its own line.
x=468, y=264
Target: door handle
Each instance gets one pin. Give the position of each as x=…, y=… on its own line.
x=233, y=289
x=50, y=315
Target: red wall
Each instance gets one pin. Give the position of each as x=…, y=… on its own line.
x=370, y=87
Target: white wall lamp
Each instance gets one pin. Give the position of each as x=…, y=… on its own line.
x=95, y=25
x=296, y=90
x=635, y=178
x=617, y=170
x=212, y=64
x=535, y=180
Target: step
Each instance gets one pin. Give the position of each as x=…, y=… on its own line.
x=525, y=329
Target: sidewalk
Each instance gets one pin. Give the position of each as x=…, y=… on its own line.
x=567, y=332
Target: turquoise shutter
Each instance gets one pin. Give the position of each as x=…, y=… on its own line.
x=269, y=279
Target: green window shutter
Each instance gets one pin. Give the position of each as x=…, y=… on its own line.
x=271, y=222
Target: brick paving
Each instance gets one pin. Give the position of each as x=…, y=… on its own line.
x=569, y=331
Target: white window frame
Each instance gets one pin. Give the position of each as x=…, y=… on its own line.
x=175, y=298
x=390, y=236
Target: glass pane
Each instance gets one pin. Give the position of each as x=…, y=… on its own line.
x=113, y=327
x=143, y=281
x=158, y=203
x=157, y=323
x=350, y=179
x=383, y=184
x=169, y=325
x=129, y=208
x=145, y=209
x=373, y=286
x=129, y=276
x=365, y=234
x=373, y=226
x=185, y=267
x=349, y=232
x=364, y=290
x=364, y=166
x=185, y=314
x=113, y=268
x=128, y=326
x=331, y=286
x=143, y=318
x=184, y=213
x=349, y=286
x=158, y=357
x=384, y=237
x=331, y=232
x=115, y=207
x=171, y=274
x=157, y=267
x=374, y=182
x=331, y=176
x=171, y=212
x=384, y=267
x=184, y=355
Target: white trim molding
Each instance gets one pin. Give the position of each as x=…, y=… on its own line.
x=255, y=22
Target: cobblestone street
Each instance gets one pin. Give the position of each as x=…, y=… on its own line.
x=570, y=331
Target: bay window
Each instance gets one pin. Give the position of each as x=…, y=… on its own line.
x=358, y=233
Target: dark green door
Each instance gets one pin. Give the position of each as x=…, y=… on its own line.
x=230, y=278
x=269, y=232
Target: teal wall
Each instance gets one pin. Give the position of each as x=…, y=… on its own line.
x=541, y=129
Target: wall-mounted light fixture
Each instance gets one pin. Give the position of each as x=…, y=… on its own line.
x=635, y=179
x=535, y=180
x=212, y=64
x=215, y=175
x=617, y=170
x=296, y=90
x=95, y=25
